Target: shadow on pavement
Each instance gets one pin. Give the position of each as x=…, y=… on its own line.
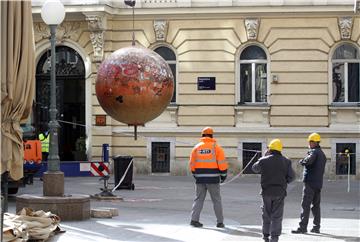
x=250, y=232
x=345, y=238
x=133, y=233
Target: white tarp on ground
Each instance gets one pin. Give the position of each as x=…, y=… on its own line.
x=30, y=225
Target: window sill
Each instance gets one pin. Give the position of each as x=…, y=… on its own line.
x=172, y=107
x=345, y=106
x=252, y=107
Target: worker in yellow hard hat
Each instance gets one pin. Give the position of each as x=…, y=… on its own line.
x=314, y=166
x=209, y=167
x=276, y=172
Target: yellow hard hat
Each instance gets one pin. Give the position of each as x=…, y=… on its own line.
x=207, y=130
x=275, y=144
x=314, y=137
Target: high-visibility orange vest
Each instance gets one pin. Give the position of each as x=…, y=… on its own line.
x=207, y=161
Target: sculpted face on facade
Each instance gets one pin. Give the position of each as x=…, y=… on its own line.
x=160, y=28
x=252, y=27
x=96, y=22
x=345, y=25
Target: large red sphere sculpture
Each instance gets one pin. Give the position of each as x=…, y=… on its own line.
x=134, y=85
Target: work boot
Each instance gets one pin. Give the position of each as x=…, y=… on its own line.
x=220, y=225
x=299, y=231
x=274, y=239
x=315, y=230
x=196, y=224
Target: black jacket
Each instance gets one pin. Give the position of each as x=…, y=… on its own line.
x=314, y=166
x=276, y=173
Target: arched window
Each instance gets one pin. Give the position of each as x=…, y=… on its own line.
x=253, y=75
x=170, y=58
x=345, y=74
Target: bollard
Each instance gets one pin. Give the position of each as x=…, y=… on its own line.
x=348, y=158
x=105, y=152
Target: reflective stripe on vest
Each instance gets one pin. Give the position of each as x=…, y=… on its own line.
x=207, y=151
x=207, y=175
x=45, y=141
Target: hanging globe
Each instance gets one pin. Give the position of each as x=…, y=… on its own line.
x=134, y=85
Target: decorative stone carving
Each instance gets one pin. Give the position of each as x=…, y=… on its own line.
x=252, y=27
x=41, y=31
x=66, y=30
x=345, y=26
x=160, y=28
x=96, y=22
x=97, y=26
x=97, y=41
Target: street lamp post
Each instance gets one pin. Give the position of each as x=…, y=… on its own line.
x=53, y=13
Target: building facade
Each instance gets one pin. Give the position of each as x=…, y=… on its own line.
x=253, y=70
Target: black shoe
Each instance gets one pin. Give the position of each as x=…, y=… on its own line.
x=220, y=225
x=299, y=231
x=196, y=224
x=315, y=230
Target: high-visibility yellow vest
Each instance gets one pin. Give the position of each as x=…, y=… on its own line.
x=45, y=141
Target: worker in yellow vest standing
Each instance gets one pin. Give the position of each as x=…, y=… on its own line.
x=44, y=138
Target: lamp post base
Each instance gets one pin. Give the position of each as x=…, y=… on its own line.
x=53, y=184
x=69, y=208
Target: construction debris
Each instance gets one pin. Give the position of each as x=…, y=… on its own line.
x=100, y=213
x=114, y=211
x=30, y=225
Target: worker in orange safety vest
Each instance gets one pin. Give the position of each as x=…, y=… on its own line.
x=209, y=167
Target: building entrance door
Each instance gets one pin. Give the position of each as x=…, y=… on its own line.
x=70, y=99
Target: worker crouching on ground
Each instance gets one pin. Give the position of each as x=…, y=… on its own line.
x=276, y=172
x=209, y=167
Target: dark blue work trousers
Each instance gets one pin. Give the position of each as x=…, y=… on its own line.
x=311, y=196
x=272, y=215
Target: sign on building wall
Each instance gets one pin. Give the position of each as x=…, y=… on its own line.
x=206, y=83
x=100, y=120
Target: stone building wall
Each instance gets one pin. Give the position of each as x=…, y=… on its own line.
x=299, y=48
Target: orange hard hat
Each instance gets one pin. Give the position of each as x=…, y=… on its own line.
x=207, y=130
